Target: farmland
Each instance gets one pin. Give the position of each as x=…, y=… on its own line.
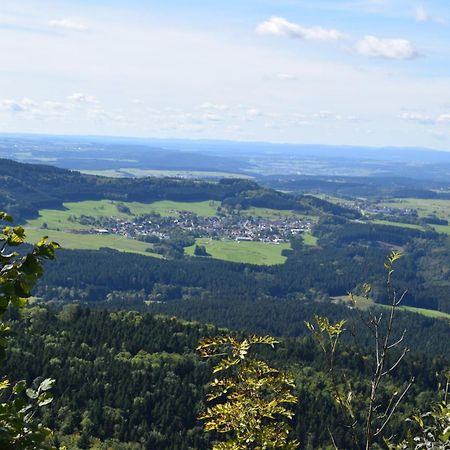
x=243, y=252
x=64, y=226
x=90, y=241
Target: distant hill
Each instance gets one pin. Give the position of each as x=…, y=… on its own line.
x=136, y=156
x=26, y=188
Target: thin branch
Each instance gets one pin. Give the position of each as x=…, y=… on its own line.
x=388, y=418
x=405, y=351
x=397, y=342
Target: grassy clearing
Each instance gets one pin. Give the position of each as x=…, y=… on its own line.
x=59, y=219
x=171, y=208
x=364, y=304
x=56, y=224
x=425, y=207
x=244, y=252
x=274, y=214
x=335, y=200
x=398, y=224
x=309, y=239
x=91, y=241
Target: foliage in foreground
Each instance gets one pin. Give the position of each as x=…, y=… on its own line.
x=250, y=399
x=389, y=352
x=19, y=405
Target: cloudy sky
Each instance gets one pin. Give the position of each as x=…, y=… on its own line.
x=361, y=72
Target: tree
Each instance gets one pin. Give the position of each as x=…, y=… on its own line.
x=18, y=405
x=388, y=355
x=200, y=250
x=250, y=398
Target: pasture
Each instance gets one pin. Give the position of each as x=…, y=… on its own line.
x=424, y=208
x=259, y=253
x=364, y=304
x=91, y=241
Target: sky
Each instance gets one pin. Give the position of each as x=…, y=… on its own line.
x=354, y=72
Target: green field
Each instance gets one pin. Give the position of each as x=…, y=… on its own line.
x=56, y=224
x=259, y=253
x=60, y=229
x=59, y=219
x=274, y=214
x=309, y=239
x=91, y=241
x=397, y=224
x=425, y=207
x=364, y=304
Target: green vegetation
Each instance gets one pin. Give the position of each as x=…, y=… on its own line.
x=250, y=401
x=58, y=226
x=364, y=304
x=94, y=241
x=397, y=224
x=242, y=251
x=309, y=239
x=170, y=208
x=20, y=428
x=59, y=219
x=425, y=207
x=274, y=214
x=135, y=381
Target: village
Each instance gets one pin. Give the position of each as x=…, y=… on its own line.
x=232, y=227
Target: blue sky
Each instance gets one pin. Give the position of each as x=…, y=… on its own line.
x=360, y=72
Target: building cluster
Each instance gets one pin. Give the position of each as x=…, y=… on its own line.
x=234, y=227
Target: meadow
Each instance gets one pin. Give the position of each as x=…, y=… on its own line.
x=397, y=224
x=425, y=207
x=57, y=224
x=259, y=253
x=58, y=219
x=364, y=304
x=91, y=241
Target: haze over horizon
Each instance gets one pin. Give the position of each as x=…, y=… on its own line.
x=356, y=72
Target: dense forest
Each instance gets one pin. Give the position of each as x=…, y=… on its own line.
x=133, y=380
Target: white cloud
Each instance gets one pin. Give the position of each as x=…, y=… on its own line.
x=214, y=106
x=279, y=26
x=422, y=15
x=31, y=109
x=443, y=118
x=17, y=106
x=54, y=106
x=286, y=77
x=373, y=46
x=68, y=25
x=211, y=117
x=253, y=112
x=324, y=114
x=79, y=97
x=100, y=115
x=416, y=117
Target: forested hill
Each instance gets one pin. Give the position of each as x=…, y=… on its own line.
x=26, y=188
x=133, y=381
